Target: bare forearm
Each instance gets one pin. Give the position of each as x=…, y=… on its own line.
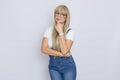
x=52, y=52
x=63, y=45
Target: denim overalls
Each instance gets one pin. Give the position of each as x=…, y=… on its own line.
x=62, y=68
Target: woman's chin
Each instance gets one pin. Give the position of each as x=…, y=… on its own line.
x=59, y=22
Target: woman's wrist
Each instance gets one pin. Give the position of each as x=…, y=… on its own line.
x=61, y=33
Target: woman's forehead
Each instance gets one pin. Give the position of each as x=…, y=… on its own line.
x=61, y=11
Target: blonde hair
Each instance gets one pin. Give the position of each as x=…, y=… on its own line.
x=55, y=41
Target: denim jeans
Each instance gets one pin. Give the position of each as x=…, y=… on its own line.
x=62, y=68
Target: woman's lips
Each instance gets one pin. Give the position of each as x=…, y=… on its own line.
x=57, y=19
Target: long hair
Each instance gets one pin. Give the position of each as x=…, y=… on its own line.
x=55, y=40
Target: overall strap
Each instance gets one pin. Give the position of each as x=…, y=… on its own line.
x=68, y=30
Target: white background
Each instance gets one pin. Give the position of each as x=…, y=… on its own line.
x=96, y=49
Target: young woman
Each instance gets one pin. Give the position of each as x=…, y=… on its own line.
x=57, y=42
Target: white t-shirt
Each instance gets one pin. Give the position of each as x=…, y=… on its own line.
x=48, y=34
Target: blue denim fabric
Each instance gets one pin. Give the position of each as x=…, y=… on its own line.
x=62, y=68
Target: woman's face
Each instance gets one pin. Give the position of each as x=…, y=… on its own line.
x=60, y=17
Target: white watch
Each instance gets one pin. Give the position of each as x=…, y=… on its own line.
x=61, y=33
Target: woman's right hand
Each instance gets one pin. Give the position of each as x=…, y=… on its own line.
x=61, y=55
x=67, y=55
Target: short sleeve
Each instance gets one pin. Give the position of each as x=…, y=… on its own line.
x=70, y=35
x=47, y=33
